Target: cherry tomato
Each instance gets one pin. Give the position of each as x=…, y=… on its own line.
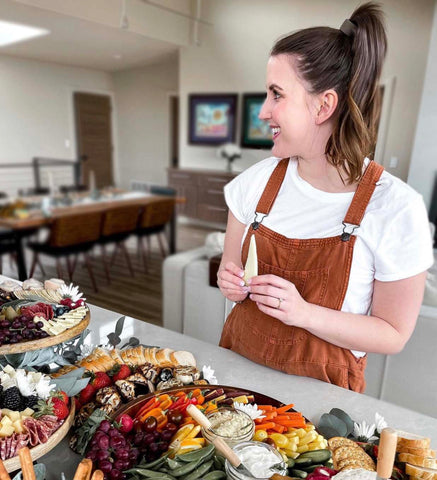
x=150, y=424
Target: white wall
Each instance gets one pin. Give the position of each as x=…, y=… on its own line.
x=36, y=109
x=423, y=167
x=143, y=121
x=233, y=54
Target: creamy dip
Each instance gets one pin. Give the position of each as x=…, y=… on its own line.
x=230, y=423
x=258, y=460
x=355, y=474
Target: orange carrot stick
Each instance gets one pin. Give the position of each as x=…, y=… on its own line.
x=285, y=408
x=264, y=426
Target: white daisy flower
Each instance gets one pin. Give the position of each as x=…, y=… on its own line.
x=364, y=432
x=252, y=410
x=24, y=383
x=70, y=291
x=209, y=375
x=43, y=388
x=380, y=422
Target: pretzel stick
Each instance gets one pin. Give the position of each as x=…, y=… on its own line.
x=26, y=462
x=4, y=475
x=83, y=471
x=97, y=475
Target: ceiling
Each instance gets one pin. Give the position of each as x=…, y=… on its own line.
x=81, y=43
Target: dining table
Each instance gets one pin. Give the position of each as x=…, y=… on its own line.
x=311, y=397
x=42, y=211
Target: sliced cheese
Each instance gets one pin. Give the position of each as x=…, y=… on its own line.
x=251, y=267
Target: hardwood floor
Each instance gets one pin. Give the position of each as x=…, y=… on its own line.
x=139, y=296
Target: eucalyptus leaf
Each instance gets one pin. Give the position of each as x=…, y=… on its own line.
x=40, y=472
x=327, y=432
x=86, y=431
x=339, y=413
x=331, y=422
x=71, y=386
x=119, y=326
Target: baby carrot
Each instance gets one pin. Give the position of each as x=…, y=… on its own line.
x=285, y=408
x=264, y=426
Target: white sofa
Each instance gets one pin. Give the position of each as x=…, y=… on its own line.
x=408, y=379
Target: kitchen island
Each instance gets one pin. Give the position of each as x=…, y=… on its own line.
x=311, y=397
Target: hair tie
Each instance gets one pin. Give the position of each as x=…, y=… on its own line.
x=348, y=27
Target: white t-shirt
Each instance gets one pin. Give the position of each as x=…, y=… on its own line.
x=393, y=241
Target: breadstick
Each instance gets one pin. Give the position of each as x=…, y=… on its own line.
x=83, y=471
x=26, y=462
x=4, y=475
x=97, y=475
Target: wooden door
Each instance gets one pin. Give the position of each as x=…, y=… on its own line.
x=94, y=137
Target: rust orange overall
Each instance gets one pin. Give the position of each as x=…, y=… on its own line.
x=320, y=269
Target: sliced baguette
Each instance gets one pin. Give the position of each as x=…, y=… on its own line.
x=424, y=473
x=163, y=357
x=421, y=452
x=181, y=357
x=417, y=460
x=411, y=440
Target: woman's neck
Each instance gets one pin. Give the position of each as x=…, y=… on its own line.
x=319, y=173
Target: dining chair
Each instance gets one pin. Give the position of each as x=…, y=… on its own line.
x=118, y=224
x=72, y=188
x=30, y=192
x=73, y=234
x=8, y=244
x=153, y=220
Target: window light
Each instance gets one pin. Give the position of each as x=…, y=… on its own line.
x=15, y=32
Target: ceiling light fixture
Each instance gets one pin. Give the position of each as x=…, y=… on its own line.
x=15, y=32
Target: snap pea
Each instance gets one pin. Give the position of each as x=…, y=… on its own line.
x=215, y=475
x=219, y=462
x=186, y=468
x=298, y=473
x=156, y=463
x=144, y=472
x=290, y=462
x=196, y=454
x=174, y=463
x=200, y=471
x=303, y=462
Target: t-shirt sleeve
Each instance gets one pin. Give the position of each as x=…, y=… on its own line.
x=405, y=247
x=243, y=192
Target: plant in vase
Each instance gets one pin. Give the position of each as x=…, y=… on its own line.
x=231, y=152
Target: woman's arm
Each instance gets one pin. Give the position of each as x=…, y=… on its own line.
x=395, y=309
x=230, y=272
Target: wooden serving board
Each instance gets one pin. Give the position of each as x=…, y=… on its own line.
x=40, y=343
x=13, y=464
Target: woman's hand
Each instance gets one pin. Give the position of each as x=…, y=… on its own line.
x=231, y=283
x=278, y=298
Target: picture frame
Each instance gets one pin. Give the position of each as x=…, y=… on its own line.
x=212, y=118
x=255, y=133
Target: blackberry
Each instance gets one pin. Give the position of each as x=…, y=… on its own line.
x=30, y=401
x=12, y=399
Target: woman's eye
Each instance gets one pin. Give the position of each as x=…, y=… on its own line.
x=276, y=94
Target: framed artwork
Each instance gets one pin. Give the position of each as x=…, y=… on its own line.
x=255, y=133
x=212, y=119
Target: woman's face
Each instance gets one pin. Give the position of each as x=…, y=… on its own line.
x=290, y=110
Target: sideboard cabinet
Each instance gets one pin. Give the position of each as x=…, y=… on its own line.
x=203, y=193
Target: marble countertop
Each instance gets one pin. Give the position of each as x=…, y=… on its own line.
x=311, y=397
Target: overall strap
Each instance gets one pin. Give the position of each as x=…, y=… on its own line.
x=271, y=191
x=363, y=194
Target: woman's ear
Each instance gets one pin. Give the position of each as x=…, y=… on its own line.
x=328, y=101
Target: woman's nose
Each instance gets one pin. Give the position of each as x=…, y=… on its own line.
x=264, y=113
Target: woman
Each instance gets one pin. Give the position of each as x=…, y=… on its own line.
x=343, y=247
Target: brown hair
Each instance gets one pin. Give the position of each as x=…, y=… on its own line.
x=351, y=64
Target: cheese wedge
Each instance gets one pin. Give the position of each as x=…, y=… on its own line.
x=251, y=268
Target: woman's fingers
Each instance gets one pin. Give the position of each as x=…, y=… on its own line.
x=269, y=301
x=269, y=279
x=235, y=269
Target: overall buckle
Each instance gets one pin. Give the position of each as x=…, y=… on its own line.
x=346, y=235
x=256, y=223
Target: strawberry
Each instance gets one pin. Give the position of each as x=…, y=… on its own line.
x=87, y=394
x=120, y=372
x=59, y=408
x=62, y=395
x=100, y=380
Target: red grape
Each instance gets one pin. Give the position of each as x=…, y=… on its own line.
x=115, y=474
x=103, y=442
x=105, y=466
x=102, y=455
x=105, y=426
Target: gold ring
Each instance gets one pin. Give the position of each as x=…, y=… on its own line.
x=279, y=303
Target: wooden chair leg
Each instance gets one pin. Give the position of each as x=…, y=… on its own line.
x=105, y=264
x=149, y=245
x=139, y=245
x=38, y=261
x=33, y=266
x=143, y=252
x=126, y=256
x=90, y=271
x=161, y=245
x=73, y=265
x=1, y=264
x=69, y=268
x=114, y=254
x=58, y=268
